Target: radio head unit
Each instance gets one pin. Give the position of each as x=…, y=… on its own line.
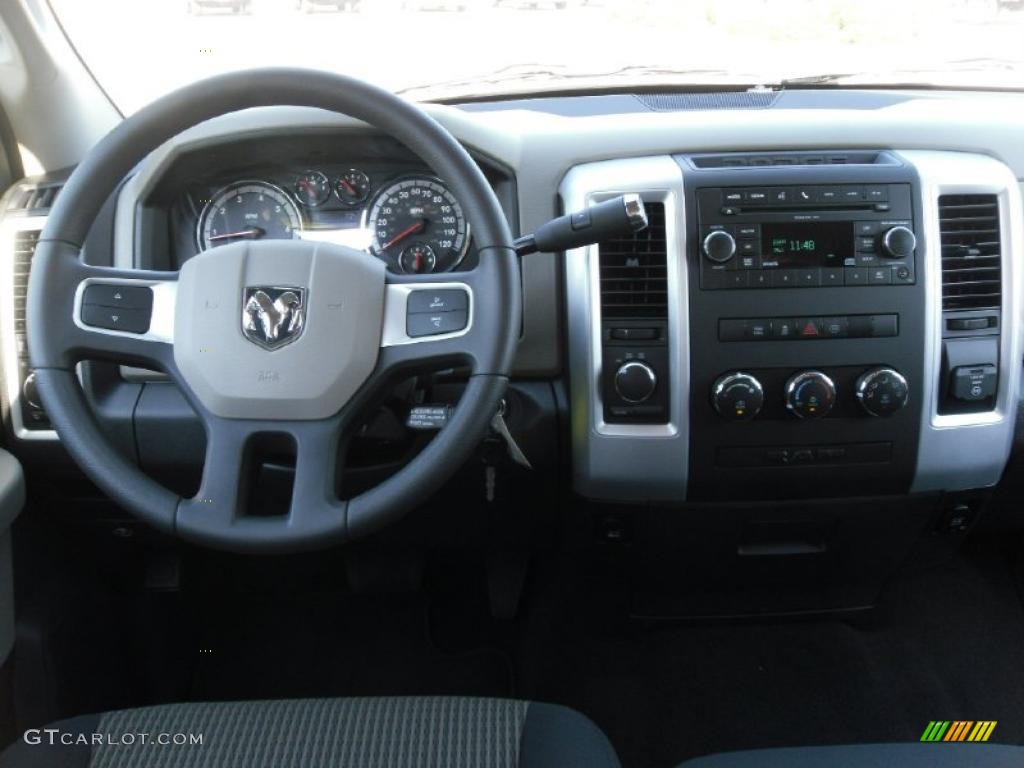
x=792, y=237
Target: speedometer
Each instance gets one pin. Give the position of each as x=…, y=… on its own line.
x=417, y=225
x=248, y=210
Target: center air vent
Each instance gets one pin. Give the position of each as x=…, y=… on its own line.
x=634, y=280
x=971, y=269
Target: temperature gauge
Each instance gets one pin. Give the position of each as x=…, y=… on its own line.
x=353, y=187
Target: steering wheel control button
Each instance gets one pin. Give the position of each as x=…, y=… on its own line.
x=444, y=300
x=737, y=396
x=115, y=295
x=116, y=318
x=435, y=323
x=810, y=394
x=882, y=391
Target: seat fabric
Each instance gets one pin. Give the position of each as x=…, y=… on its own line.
x=926, y=755
x=441, y=732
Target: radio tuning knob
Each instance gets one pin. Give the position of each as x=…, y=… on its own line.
x=635, y=382
x=810, y=394
x=882, y=391
x=899, y=242
x=719, y=246
x=737, y=396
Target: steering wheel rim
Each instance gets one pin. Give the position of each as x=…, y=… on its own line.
x=58, y=340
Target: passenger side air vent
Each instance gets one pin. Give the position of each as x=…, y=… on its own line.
x=971, y=269
x=634, y=280
x=34, y=199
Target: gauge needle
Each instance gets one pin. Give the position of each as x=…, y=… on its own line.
x=349, y=187
x=412, y=229
x=250, y=232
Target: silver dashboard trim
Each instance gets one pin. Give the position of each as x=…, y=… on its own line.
x=966, y=451
x=607, y=457
x=10, y=225
x=396, y=299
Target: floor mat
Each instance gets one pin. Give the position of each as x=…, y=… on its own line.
x=945, y=644
x=333, y=645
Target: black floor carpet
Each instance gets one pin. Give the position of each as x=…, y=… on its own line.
x=944, y=644
x=334, y=645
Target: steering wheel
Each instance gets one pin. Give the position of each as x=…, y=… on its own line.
x=284, y=341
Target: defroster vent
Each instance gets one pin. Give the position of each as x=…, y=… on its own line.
x=971, y=268
x=634, y=279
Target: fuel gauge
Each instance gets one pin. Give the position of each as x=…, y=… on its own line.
x=312, y=188
x=353, y=187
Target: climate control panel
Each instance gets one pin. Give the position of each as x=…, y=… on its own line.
x=877, y=391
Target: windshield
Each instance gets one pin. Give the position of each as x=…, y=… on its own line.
x=450, y=49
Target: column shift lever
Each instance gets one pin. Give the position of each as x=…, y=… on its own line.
x=618, y=217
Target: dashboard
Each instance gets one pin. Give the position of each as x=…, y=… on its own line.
x=830, y=288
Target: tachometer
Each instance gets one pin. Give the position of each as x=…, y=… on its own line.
x=418, y=225
x=248, y=210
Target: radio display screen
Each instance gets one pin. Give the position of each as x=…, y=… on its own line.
x=806, y=244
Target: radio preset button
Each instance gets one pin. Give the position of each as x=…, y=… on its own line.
x=736, y=279
x=759, y=279
x=808, y=278
x=856, y=276
x=784, y=278
x=832, y=276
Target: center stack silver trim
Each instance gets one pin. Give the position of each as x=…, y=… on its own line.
x=620, y=461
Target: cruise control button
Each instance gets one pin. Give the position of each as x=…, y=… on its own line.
x=114, y=295
x=116, y=318
x=434, y=323
x=445, y=300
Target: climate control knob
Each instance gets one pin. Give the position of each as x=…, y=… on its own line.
x=882, y=391
x=719, y=246
x=737, y=396
x=899, y=242
x=810, y=394
x=635, y=381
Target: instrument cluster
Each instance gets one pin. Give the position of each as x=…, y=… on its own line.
x=411, y=221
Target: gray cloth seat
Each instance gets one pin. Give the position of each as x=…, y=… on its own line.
x=425, y=732
x=926, y=755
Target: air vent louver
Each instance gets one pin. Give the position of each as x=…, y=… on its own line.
x=34, y=199
x=971, y=269
x=634, y=281
x=24, y=247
